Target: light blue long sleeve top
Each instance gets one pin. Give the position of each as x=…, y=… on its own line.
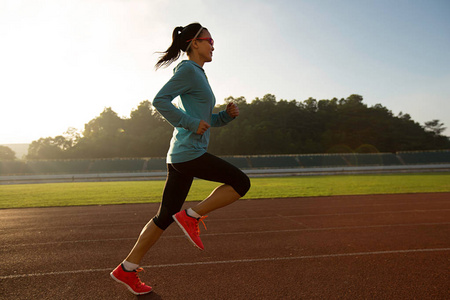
x=196, y=102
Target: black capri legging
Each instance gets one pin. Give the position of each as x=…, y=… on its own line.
x=180, y=177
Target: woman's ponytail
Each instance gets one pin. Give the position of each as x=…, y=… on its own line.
x=173, y=52
x=180, y=36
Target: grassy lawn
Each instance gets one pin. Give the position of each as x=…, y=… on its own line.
x=103, y=193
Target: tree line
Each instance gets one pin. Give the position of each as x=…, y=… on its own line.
x=265, y=126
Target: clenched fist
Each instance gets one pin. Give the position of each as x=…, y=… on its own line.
x=232, y=110
x=202, y=127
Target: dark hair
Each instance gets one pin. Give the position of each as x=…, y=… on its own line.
x=180, y=37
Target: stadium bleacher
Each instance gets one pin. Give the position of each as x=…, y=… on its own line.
x=14, y=167
x=373, y=159
x=239, y=161
x=273, y=161
x=310, y=160
x=58, y=166
x=322, y=160
x=429, y=157
x=156, y=164
x=390, y=159
x=117, y=165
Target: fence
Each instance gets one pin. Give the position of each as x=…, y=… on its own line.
x=265, y=164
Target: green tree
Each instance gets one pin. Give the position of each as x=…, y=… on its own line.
x=103, y=137
x=49, y=148
x=265, y=126
x=7, y=153
x=147, y=133
x=435, y=127
x=108, y=124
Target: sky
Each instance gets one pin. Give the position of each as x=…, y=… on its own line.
x=63, y=61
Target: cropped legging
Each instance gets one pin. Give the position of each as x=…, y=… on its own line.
x=180, y=177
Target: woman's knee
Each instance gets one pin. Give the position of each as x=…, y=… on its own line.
x=242, y=184
x=163, y=218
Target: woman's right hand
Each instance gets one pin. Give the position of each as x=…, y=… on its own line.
x=202, y=127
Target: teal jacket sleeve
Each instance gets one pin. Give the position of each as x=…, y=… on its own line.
x=180, y=83
x=221, y=119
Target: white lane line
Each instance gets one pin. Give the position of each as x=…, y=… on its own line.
x=333, y=215
x=328, y=228
x=228, y=233
x=235, y=261
x=9, y=214
x=277, y=216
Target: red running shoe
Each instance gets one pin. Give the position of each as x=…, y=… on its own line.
x=131, y=280
x=189, y=225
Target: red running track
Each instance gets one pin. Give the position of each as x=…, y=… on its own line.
x=346, y=247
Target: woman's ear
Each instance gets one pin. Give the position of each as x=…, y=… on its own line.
x=194, y=44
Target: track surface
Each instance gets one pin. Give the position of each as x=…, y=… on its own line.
x=346, y=247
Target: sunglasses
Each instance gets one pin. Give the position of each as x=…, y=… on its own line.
x=210, y=40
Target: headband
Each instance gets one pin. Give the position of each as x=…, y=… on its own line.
x=198, y=33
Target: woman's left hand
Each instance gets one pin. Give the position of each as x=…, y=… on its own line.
x=232, y=110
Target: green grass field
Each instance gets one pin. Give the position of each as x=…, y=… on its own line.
x=104, y=193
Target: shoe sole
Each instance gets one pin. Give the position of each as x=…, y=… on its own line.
x=186, y=233
x=128, y=287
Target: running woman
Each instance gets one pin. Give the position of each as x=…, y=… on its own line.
x=187, y=156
